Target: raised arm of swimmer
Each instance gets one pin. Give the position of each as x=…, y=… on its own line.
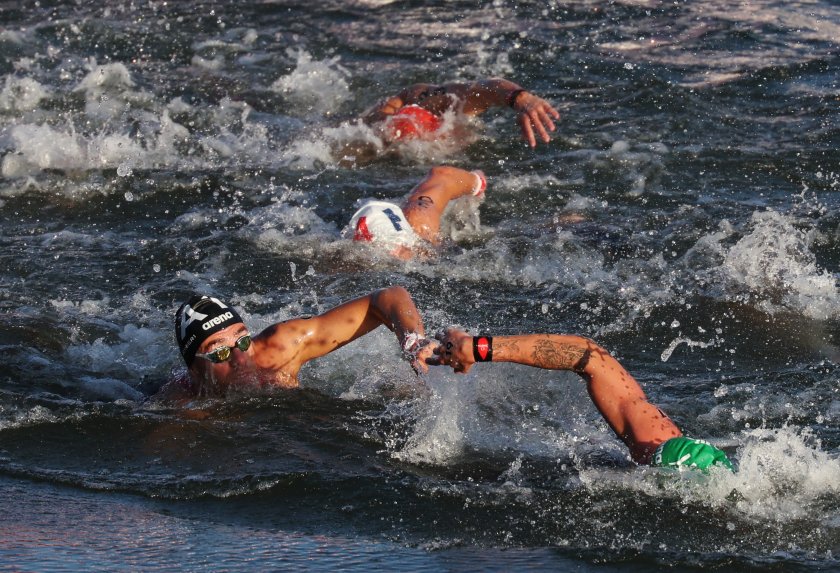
x=643, y=427
x=534, y=114
x=314, y=337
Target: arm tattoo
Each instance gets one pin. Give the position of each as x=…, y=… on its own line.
x=580, y=365
x=509, y=348
x=424, y=201
x=557, y=356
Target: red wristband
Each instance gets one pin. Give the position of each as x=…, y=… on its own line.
x=483, y=348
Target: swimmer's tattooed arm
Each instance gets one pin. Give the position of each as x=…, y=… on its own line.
x=556, y=355
x=550, y=351
x=507, y=345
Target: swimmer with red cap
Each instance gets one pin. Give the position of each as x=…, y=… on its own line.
x=417, y=111
x=221, y=353
x=413, y=227
x=411, y=122
x=650, y=435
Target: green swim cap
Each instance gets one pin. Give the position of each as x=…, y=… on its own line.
x=685, y=452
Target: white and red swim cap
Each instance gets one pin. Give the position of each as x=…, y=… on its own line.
x=383, y=223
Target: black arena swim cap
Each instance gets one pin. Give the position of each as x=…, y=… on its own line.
x=197, y=319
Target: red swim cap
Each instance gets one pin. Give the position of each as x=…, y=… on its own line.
x=411, y=122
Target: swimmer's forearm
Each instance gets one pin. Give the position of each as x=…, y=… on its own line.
x=550, y=351
x=480, y=96
x=500, y=88
x=462, y=351
x=396, y=310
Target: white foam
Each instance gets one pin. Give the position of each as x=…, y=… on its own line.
x=280, y=225
x=163, y=143
x=12, y=37
x=213, y=65
x=21, y=94
x=41, y=147
x=508, y=407
x=493, y=62
x=108, y=92
x=137, y=353
x=557, y=260
x=330, y=145
x=773, y=261
x=105, y=78
x=437, y=436
x=314, y=86
x=666, y=354
x=780, y=474
x=11, y=417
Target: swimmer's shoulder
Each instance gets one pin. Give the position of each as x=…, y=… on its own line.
x=418, y=92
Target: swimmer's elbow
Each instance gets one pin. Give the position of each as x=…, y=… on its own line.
x=396, y=291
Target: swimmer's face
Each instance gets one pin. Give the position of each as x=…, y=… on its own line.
x=239, y=367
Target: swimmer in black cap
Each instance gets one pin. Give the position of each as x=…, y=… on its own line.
x=221, y=352
x=650, y=435
x=533, y=114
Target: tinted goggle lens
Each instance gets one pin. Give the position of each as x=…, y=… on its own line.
x=222, y=353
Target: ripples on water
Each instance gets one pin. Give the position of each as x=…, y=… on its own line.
x=151, y=151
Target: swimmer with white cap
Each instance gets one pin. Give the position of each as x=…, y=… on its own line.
x=651, y=436
x=414, y=227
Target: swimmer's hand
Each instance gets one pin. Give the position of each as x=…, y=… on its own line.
x=418, y=351
x=455, y=350
x=533, y=114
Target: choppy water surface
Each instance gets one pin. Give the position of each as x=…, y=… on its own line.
x=151, y=150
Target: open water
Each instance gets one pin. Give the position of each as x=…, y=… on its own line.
x=152, y=149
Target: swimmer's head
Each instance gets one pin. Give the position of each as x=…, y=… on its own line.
x=682, y=452
x=411, y=122
x=384, y=224
x=199, y=318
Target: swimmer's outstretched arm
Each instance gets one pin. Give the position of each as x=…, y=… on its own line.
x=534, y=114
x=549, y=351
x=617, y=395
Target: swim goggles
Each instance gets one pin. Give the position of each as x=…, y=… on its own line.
x=223, y=353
